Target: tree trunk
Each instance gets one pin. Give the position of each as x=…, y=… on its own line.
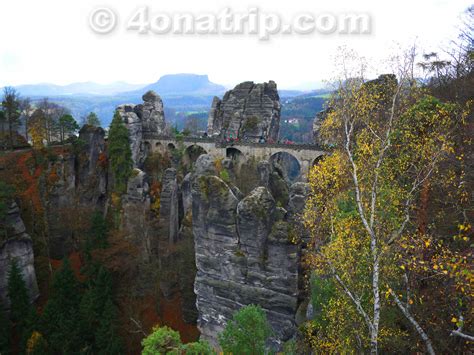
x=10, y=131
x=26, y=129
x=418, y=328
x=376, y=292
x=3, y=138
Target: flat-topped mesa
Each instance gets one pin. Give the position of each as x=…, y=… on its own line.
x=248, y=112
x=143, y=119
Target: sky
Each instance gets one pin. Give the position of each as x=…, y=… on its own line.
x=51, y=41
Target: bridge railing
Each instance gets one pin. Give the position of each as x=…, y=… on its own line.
x=184, y=139
x=292, y=146
x=225, y=144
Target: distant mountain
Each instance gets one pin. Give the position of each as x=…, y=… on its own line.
x=290, y=93
x=172, y=85
x=182, y=94
x=85, y=88
x=185, y=85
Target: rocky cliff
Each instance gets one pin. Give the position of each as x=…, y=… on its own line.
x=91, y=167
x=143, y=119
x=249, y=111
x=244, y=254
x=15, y=243
x=74, y=181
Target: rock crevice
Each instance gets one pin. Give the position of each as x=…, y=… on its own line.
x=243, y=255
x=250, y=111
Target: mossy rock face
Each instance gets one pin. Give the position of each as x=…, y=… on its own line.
x=242, y=255
x=250, y=125
x=155, y=164
x=213, y=187
x=220, y=203
x=279, y=189
x=280, y=232
x=203, y=188
x=205, y=165
x=259, y=203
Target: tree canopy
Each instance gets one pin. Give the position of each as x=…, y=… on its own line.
x=92, y=120
x=247, y=332
x=120, y=154
x=372, y=238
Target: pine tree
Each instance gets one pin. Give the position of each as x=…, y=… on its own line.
x=5, y=332
x=96, y=239
x=93, y=303
x=120, y=153
x=60, y=317
x=6, y=192
x=108, y=341
x=22, y=314
x=93, y=120
x=98, y=232
x=18, y=294
x=67, y=126
x=11, y=106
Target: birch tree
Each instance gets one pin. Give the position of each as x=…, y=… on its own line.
x=389, y=138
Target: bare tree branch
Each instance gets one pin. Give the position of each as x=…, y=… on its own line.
x=458, y=332
x=354, y=298
x=418, y=328
x=139, y=326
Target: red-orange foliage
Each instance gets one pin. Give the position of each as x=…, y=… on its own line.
x=103, y=160
x=53, y=177
x=155, y=189
x=30, y=177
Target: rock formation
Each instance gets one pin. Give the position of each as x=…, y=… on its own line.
x=249, y=111
x=136, y=222
x=169, y=217
x=317, y=126
x=243, y=256
x=91, y=171
x=59, y=195
x=144, y=119
x=298, y=194
x=73, y=180
x=15, y=243
x=152, y=113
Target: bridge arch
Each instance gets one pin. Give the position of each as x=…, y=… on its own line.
x=317, y=160
x=193, y=151
x=290, y=164
x=233, y=153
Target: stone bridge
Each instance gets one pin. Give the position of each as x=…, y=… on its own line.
x=302, y=156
